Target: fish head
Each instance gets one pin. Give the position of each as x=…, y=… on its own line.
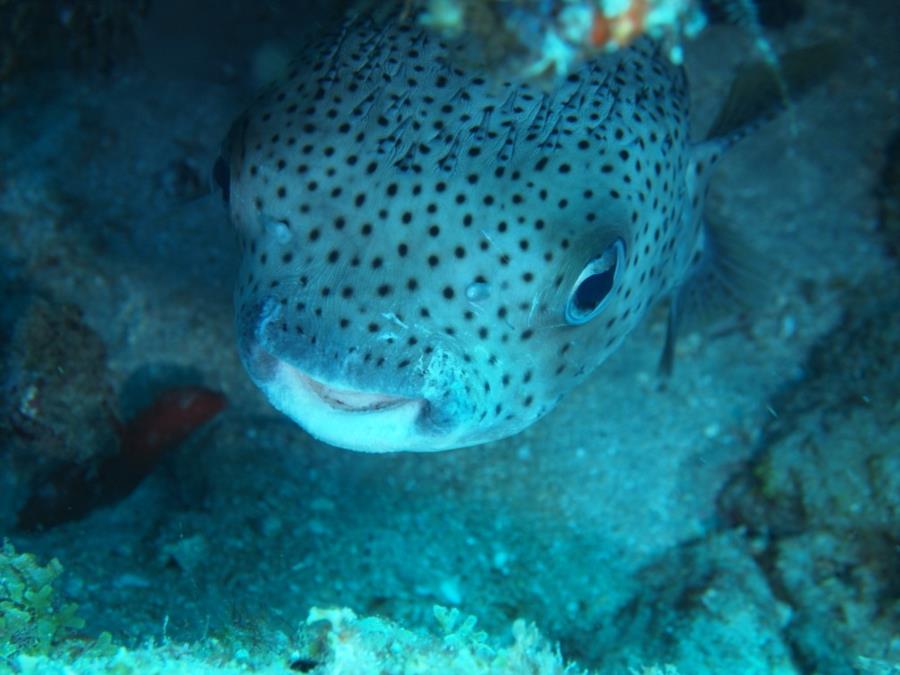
x=388, y=303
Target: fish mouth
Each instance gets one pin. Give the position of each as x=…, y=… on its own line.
x=428, y=417
x=348, y=400
x=348, y=417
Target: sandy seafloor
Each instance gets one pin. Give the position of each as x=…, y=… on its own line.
x=741, y=517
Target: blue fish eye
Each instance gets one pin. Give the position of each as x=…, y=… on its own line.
x=593, y=287
x=221, y=176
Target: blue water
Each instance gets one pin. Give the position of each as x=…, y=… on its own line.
x=739, y=517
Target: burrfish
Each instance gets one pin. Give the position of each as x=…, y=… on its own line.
x=433, y=257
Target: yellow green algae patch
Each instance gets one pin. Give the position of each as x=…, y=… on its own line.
x=32, y=618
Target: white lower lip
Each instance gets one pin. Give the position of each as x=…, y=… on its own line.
x=350, y=400
x=348, y=418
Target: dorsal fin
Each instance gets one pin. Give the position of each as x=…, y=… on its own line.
x=762, y=89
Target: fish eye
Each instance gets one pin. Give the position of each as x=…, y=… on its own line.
x=593, y=287
x=221, y=176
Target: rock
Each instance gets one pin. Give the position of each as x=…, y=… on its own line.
x=57, y=406
x=704, y=607
x=824, y=490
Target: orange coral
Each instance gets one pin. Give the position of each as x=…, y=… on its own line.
x=621, y=29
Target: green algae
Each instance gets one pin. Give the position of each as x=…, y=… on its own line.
x=32, y=617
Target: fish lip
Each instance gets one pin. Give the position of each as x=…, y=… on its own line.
x=350, y=400
x=351, y=418
x=263, y=366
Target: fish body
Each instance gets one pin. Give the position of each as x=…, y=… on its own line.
x=430, y=258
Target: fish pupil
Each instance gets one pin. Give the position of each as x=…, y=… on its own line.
x=595, y=284
x=593, y=290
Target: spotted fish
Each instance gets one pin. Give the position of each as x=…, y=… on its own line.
x=431, y=258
